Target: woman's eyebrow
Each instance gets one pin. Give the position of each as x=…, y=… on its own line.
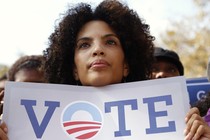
x=83, y=39
x=89, y=38
x=108, y=35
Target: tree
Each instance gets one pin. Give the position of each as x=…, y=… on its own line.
x=190, y=38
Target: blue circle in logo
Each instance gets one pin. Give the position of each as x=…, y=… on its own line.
x=81, y=129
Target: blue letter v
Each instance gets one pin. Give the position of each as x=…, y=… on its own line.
x=39, y=129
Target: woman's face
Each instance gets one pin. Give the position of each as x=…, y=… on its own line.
x=99, y=57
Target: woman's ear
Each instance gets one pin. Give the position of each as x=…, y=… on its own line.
x=126, y=69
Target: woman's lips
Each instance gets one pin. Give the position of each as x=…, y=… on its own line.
x=99, y=64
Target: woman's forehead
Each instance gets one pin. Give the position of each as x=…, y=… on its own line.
x=95, y=27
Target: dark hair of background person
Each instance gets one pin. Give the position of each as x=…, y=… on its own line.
x=134, y=34
x=29, y=62
x=170, y=56
x=3, y=78
x=203, y=104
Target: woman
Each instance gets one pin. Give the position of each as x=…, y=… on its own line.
x=108, y=45
x=132, y=37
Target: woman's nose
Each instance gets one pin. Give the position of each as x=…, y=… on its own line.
x=98, y=50
x=98, y=53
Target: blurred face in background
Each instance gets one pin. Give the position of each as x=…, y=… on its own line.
x=163, y=69
x=29, y=75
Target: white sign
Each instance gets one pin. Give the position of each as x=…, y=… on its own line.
x=146, y=110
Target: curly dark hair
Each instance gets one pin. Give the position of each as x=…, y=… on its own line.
x=26, y=62
x=203, y=104
x=136, y=41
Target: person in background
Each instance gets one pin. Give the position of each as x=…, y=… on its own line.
x=3, y=79
x=27, y=69
x=167, y=64
x=204, y=103
x=101, y=46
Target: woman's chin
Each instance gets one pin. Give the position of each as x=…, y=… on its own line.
x=98, y=82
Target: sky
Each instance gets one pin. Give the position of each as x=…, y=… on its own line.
x=26, y=24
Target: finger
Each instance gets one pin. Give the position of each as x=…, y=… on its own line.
x=188, y=136
x=195, y=126
x=199, y=132
x=194, y=119
x=192, y=111
x=192, y=125
x=3, y=132
x=191, y=128
x=3, y=126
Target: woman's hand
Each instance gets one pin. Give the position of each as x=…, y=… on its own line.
x=3, y=132
x=196, y=127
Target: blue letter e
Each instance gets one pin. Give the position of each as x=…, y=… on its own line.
x=154, y=114
x=39, y=129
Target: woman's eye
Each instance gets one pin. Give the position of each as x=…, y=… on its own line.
x=111, y=42
x=83, y=45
